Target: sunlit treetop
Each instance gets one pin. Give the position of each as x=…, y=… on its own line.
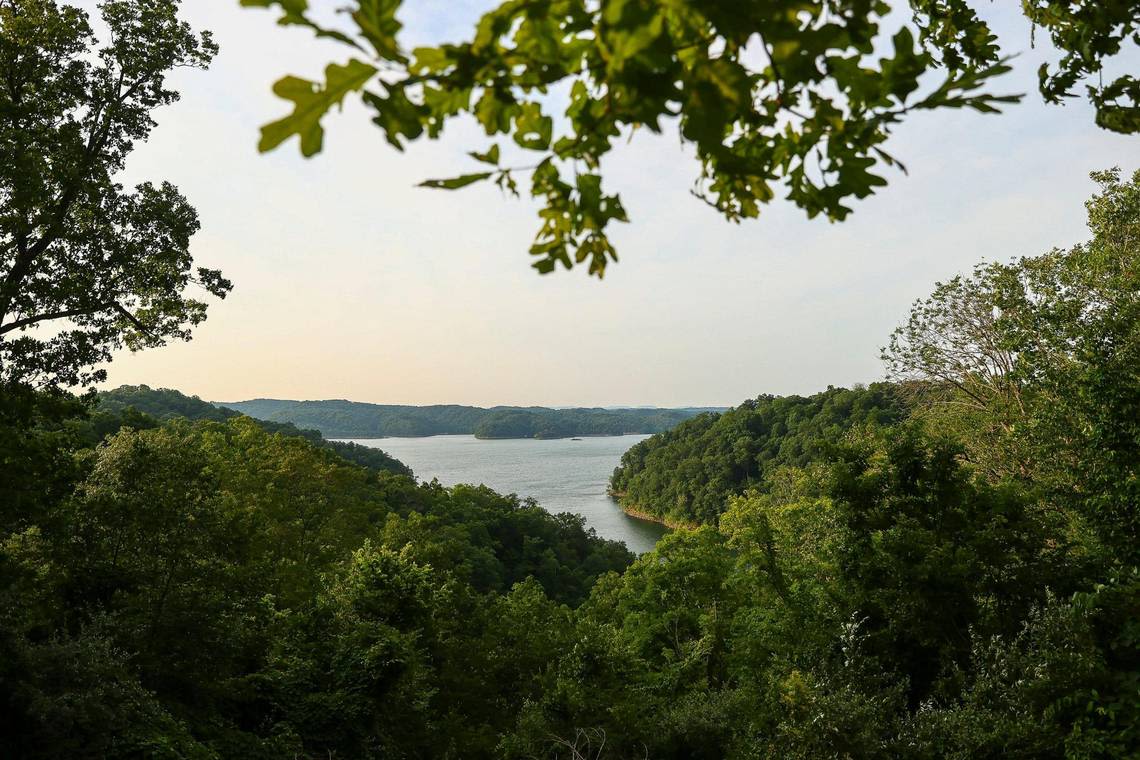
x=795, y=97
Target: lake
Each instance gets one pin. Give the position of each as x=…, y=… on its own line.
x=562, y=475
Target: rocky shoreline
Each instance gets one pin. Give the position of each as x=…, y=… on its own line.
x=650, y=517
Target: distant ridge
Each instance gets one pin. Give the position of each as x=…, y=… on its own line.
x=141, y=406
x=340, y=418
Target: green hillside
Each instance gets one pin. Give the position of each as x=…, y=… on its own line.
x=139, y=406
x=687, y=474
x=354, y=419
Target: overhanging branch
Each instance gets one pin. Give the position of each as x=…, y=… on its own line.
x=29, y=321
x=133, y=320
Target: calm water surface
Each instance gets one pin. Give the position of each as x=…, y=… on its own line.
x=561, y=475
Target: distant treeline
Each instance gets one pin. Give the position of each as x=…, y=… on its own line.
x=141, y=407
x=354, y=419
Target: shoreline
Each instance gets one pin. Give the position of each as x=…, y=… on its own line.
x=649, y=517
x=543, y=437
x=348, y=439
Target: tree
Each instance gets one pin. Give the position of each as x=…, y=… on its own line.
x=97, y=265
x=772, y=94
x=958, y=357
x=686, y=475
x=364, y=687
x=1088, y=33
x=1043, y=353
x=1065, y=686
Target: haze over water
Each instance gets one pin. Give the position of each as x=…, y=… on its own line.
x=562, y=475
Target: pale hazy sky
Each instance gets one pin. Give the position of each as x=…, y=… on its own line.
x=352, y=283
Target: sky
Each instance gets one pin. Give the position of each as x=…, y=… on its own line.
x=351, y=282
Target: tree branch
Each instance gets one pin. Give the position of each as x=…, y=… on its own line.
x=28, y=321
x=22, y=265
x=133, y=319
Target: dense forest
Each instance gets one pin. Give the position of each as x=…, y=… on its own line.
x=212, y=589
x=355, y=419
x=685, y=476
x=142, y=407
x=947, y=565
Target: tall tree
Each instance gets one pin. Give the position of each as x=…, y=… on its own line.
x=87, y=266
x=801, y=94
x=1042, y=355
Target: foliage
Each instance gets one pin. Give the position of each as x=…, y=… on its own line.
x=36, y=435
x=882, y=604
x=215, y=589
x=94, y=266
x=178, y=580
x=1034, y=362
x=929, y=558
x=355, y=419
x=492, y=542
x=791, y=95
x=687, y=474
x=161, y=403
x=1089, y=34
x=140, y=407
x=1065, y=686
x=565, y=423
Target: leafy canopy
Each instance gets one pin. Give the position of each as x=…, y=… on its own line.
x=87, y=266
x=1035, y=361
x=793, y=94
x=687, y=474
x=140, y=408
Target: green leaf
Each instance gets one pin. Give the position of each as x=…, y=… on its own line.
x=589, y=191
x=455, y=182
x=293, y=14
x=630, y=28
x=495, y=110
x=397, y=116
x=311, y=103
x=378, y=24
x=900, y=74
x=490, y=157
x=533, y=130
x=431, y=59
x=444, y=103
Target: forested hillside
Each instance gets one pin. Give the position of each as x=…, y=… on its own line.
x=354, y=419
x=211, y=589
x=956, y=577
x=687, y=474
x=139, y=406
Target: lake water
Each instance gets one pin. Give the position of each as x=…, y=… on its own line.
x=562, y=475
